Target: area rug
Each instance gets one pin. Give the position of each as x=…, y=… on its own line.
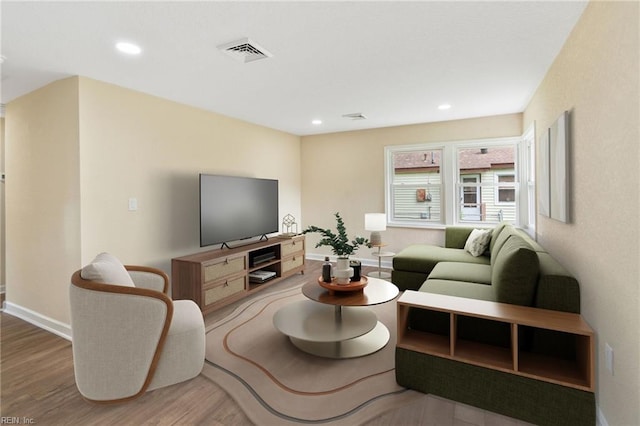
x=276, y=383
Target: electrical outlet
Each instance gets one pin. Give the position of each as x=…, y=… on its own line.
x=608, y=357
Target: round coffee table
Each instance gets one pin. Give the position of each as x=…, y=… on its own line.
x=338, y=325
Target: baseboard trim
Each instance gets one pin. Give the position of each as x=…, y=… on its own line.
x=387, y=264
x=49, y=324
x=600, y=420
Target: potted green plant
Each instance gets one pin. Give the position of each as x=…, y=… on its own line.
x=340, y=245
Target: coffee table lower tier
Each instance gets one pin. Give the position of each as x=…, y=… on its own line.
x=331, y=331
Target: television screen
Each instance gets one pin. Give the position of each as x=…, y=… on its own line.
x=235, y=208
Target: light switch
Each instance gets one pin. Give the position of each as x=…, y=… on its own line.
x=133, y=204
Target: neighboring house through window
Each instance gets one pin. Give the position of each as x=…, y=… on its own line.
x=470, y=182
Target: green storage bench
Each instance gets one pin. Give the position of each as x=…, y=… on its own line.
x=516, y=270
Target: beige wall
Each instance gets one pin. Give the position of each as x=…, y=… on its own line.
x=78, y=149
x=344, y=172
x=136, y=145
x=42, y=198
x=595, y=77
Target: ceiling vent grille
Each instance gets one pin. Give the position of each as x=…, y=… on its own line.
x=355, y=116
x=245, y=50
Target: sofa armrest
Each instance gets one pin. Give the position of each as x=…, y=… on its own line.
x=456, y=236
x=149, y=278
x=557, y=289
x=558, y=293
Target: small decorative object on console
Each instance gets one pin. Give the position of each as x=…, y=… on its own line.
x=289, y=226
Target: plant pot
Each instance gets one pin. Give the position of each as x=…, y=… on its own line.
x=343, y=272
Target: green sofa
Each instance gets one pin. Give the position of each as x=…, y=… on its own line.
x=516, y=270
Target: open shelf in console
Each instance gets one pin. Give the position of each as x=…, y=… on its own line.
x=573, y=368
x=264, y=256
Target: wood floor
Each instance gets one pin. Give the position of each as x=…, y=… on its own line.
x=38, y=386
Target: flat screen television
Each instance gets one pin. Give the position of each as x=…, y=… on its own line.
x=236, y=208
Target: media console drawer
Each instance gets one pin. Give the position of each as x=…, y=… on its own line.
x=292, y=263
x=292, y=246
x=218, y=291
x=224, y=267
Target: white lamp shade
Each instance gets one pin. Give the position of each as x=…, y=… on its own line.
x=375, y=221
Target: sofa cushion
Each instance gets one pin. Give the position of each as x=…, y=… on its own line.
x=466, y=289
x=107, y=269
x=422, y=258
x=515, y=272
x=495, y=234
x=478, y=242
x=458, y=271
x=496, y=243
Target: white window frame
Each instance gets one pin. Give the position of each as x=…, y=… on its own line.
x=528, y=175
x=451, y=187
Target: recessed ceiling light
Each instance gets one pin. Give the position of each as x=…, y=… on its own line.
x=316, y=122
x=128, y=48
x=444, y=106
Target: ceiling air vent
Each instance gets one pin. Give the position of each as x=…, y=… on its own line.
x=355, y=116
x=245, y=50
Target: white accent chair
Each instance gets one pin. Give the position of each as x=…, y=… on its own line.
x=129, y=337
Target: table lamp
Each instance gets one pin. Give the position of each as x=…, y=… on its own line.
x=375, y=222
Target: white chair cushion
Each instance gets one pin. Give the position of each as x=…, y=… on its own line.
x=107, y=269
x=183, y=353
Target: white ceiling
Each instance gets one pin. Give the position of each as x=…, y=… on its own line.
x=395, y=62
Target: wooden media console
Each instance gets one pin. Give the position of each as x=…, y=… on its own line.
x=218, y=277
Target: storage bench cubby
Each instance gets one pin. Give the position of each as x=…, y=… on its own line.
x=572, y=367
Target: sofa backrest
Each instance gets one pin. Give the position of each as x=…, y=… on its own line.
x=556, y=288
x=456, y=236
x=514, y=271
x=495, y=234
x=498, y=237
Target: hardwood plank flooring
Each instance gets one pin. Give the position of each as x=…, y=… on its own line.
x=38, y=386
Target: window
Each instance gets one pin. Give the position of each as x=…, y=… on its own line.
x=528, y=173
x=417, y=192
x=432, y=185
x=506, y=190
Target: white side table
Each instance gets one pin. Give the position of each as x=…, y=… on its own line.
x=380, y=254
